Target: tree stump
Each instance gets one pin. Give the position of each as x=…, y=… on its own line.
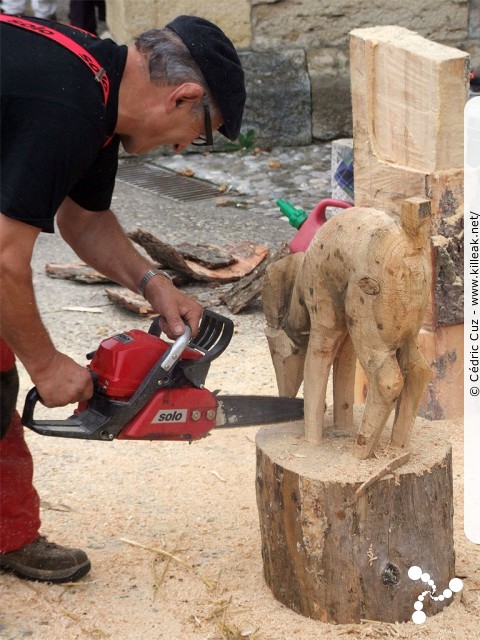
x=339, y=535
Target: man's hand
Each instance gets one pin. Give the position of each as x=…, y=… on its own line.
x=62, y=382
x=175, y=308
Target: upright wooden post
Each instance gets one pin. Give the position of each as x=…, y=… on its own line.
x=408, y=96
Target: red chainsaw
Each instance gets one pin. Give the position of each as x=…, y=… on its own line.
x=148, y=389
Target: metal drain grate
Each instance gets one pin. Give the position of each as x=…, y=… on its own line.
x=166, y=183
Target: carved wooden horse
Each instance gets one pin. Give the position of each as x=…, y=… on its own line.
x=361, y=289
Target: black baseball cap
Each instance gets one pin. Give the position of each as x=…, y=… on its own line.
x=220, y=65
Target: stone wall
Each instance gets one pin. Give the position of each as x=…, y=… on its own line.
x=295, y=52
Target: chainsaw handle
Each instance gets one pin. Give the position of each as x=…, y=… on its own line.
x=214, y=335
x=33, y=397
x=29, y=407
x=175, y=351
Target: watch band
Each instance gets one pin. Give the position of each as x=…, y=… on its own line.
x=148, y=276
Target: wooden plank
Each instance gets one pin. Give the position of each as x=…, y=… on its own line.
x=408, y=97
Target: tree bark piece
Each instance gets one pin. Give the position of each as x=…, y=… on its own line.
x=206, y=296
x=249, y=288
x=208, y=255
x=339, y=557
x=247, y=255
x=128, y=300
x=384, y=471
x=78, y=271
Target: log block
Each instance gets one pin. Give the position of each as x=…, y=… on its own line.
x=404, y=120
x=339, y=535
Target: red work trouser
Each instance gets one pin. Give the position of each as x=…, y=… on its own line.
x=19, y=502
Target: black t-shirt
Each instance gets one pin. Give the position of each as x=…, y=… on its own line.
x=54, y=124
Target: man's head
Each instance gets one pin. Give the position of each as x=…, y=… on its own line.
x=194, y=50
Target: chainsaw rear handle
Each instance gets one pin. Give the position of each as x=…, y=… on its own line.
x=30, y=401
x=33, y=397
x=76, y=426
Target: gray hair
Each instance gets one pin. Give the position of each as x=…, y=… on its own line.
x=170, y=63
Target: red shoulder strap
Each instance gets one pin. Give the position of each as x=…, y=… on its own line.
x=99, y=72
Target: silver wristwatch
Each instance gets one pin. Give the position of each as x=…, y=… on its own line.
x=148, y=276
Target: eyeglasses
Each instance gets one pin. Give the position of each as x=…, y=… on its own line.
x=202, y=141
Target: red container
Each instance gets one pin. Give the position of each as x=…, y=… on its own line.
x=313, y=223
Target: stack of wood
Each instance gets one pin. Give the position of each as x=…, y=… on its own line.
x=231, y=275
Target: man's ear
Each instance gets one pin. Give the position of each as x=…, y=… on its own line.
x=184, y=94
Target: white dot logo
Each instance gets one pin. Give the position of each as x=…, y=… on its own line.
x=416, y=573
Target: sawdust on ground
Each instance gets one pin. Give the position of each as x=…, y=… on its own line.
x=172, y=532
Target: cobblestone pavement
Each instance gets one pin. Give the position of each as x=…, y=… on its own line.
x=255, y=181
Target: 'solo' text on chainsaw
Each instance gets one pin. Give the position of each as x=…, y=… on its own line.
x=178, y=415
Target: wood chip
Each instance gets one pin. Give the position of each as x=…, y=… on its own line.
x=54, y=506
x=130, y=301
x=83, y=309
x=217, y=475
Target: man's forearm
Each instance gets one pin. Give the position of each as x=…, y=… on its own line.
x=99, y=240
x=21, y=325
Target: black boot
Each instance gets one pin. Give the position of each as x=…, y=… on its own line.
x=47, y=562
